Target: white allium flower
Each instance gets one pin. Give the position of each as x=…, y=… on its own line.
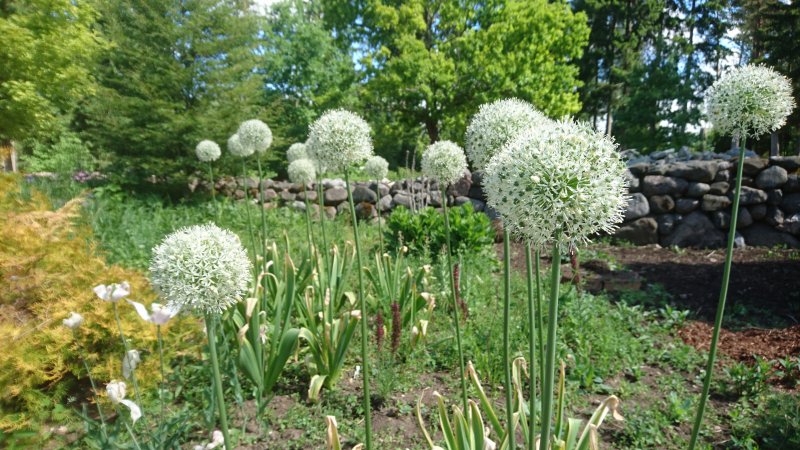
x=296, y=151
x=201, y=268
x=237, y=149
x=255, y=135
x=749, y=101
x=302, y=171
x=444, y=161
x=495, y=124
x=207, y=151
x=129, y=362
x=73, y=321
x=339, y=139
x=112, y=292
x=564, y=182
x=160, y=316
x=376, y=168
x=116, y=393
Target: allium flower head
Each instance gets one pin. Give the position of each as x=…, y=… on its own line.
x=376, y=168
x=339, y=139
x=237, y=149
x=749, y=101
x=201, y=268
x=495, y=124
x=444, y=161
x=560, y=183
x=207, y=151
x=255, y=136
x=296, y=151
x=302, y=171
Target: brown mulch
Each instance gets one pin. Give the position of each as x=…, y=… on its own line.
x=743, y=345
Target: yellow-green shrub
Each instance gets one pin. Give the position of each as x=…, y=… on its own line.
x=48, y=266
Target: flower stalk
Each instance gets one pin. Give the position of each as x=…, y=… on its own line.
x=455, y=308
x=217, y=379
x=550, y=355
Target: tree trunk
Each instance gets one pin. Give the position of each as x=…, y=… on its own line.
x=432, y=127
x=9, y=152
x=774, y=145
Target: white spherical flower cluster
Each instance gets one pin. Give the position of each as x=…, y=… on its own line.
x=562, y=183
x=302, y=171
x=237, y=149
x=495, y=124
x=444, y=161
x=207, y=151
x=749, y=101
x=338, y=140
x=201, y=268
x=376, y=168
x=296, y=151
x=255, y=135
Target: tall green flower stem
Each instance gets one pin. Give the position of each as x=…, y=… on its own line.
x=453, y=301
x=309, y=235
x=506, y=337
x=161, y=385
x=127, y=349
x=723, y=295
x=321, y=202
x=550, y=355
x=213, y=188
x=532, y=340
x=261, y=203
x=363, y=305
x=539, y=315
x=211, y=329
x=91, y=381
x=249, y=218
x=380, y=217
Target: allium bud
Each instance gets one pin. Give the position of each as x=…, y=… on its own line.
x=255, y=136
x=207, y=151
x=580, y=188
x=201, y=268
x=444, y=161
x=495, y=124
x=237, y=149
x=339, y=139
x=749, y=101
x=302, y=171
x=296, y=151
x=376, y=168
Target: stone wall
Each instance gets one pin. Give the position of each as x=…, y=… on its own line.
x=685, y=203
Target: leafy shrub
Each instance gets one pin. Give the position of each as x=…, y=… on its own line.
x=65, y=156
x=48, y=270
x=424, y=232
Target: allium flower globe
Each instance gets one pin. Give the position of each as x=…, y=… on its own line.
x=302, y=171
x=296, y=151
x=207, y=151
x=495, y=124
x=201, y=268
x=444, y=161
x=255, y=135
x=237, y=149
x=339, y=139
x=376, y=168
x=749, y=101
x=561, y=183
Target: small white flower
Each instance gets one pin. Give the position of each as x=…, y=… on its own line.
x=296, y=151
x=116, y=393
x=302, y=171
x=338, y=140
x=112, y=292
x=564, y=182
x=749, y=101
x=376, y=168
x=444, y=161
x=201, y=268
x=160, y=315
x=237, y=149
x=356, y=314
x=207, y=151
x=217, y=440
x=129, y=363
x=255, y=136
x=495, y=124
x=73, y=321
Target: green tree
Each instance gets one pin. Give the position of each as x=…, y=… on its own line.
x=177, y=72
x=428, y=64
x=46, y=57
